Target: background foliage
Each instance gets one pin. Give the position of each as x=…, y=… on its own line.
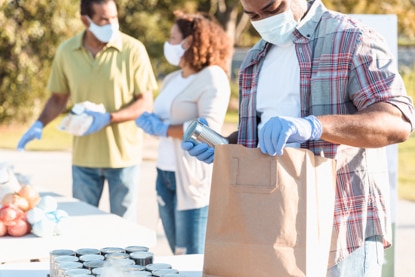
x=32, y=29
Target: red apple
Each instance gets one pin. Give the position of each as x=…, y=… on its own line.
x=3, y=229
x=9, y=213
x=20, y=228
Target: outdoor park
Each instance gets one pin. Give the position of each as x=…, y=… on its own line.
x=34, y=29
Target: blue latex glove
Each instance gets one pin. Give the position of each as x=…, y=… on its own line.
x=34, y=132
x=278, y=131
x=201, y=151
x=152, y=124
x=100, y=120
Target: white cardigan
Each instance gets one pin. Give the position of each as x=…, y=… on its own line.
x=206, y=96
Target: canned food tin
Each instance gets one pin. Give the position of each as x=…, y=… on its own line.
x=85, y=251
x=76, y=272
x=65, y=266
x=61, y=259
x=142, y=258
x=94, y=264
x=121, y=263
x=163, y=272
x=139, y=274
x=58, y=252
x=198, y=132
x=157, y=266
x=98, y=271
x=91, y=257
x=107, y=250
x=117, y=256
x=134, y=267
x=136, y=248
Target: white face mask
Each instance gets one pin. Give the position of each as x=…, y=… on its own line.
x=276, y=29
x=104, y=33
x=173, y=53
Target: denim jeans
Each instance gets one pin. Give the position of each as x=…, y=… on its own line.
x=88, y=184
x=365, y=261
x=185, y=230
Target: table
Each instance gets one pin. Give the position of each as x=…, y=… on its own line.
x=190, y=265
x=86, y=227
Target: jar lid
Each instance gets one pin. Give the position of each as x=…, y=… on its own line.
x=136, y=248
x=94, y=264
x=156, y=266
x=120, y=262
x=69, y=265
x=141, y=255
x=64, y=258
x=116, y=256
x=84, y=251
x=62, y=252
x=164, y=271
x=107, y=250
x=91, y=257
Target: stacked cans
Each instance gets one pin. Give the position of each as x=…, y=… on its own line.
x=108, y=261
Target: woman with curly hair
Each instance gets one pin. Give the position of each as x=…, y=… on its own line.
x=199, y=89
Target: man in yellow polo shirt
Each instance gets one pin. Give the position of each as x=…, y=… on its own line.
x=102, y=65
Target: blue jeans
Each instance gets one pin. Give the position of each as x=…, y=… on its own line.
x=365, y=261
x=88, y=184
x=185, y=230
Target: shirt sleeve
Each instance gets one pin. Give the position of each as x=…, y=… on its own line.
x=57, y=82
x=144, y=76
x=374, y=76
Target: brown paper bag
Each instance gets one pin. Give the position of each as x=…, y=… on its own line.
x=269, y=216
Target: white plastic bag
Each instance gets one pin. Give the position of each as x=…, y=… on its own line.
x=77, y=121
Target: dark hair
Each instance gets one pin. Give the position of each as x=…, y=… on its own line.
x=87, y=9
x=210, y=44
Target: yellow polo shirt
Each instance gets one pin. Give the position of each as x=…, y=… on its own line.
x=118, y=73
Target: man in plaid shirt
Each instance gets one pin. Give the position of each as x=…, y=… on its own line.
x=320, y=80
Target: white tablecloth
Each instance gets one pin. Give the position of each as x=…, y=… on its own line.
x=86, y=227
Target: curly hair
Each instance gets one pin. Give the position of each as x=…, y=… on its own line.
x=210, y=44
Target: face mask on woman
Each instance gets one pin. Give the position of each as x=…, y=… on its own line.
x=104, y=33
x=276, y=29
x=173, y=52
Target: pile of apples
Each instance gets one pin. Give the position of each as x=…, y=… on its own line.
x=14, y=206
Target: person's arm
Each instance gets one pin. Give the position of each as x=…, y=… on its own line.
x=175, y=131
x=142, y=103
x=55, y=105
x=378, y=125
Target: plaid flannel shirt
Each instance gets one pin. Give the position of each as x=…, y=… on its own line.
x=344, y=68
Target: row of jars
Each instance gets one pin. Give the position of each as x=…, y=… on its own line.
x=108, y=262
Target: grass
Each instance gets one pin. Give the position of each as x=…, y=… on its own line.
x=406, y=172
x=55, y=140
x=52, y=138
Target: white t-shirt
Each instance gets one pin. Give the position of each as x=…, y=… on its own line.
x=279, y=85
x=162, y=105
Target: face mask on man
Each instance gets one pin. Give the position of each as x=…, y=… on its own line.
x=173, y=52
x=276, y=29
x=104, y=33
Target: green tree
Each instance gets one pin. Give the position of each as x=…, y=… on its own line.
x=31, y=30
x=404, y=10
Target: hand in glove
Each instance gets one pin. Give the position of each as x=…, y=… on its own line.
x=152, y=124
x=281, y=130
x=34, y=132
x=100, y=120
x=201, y=151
